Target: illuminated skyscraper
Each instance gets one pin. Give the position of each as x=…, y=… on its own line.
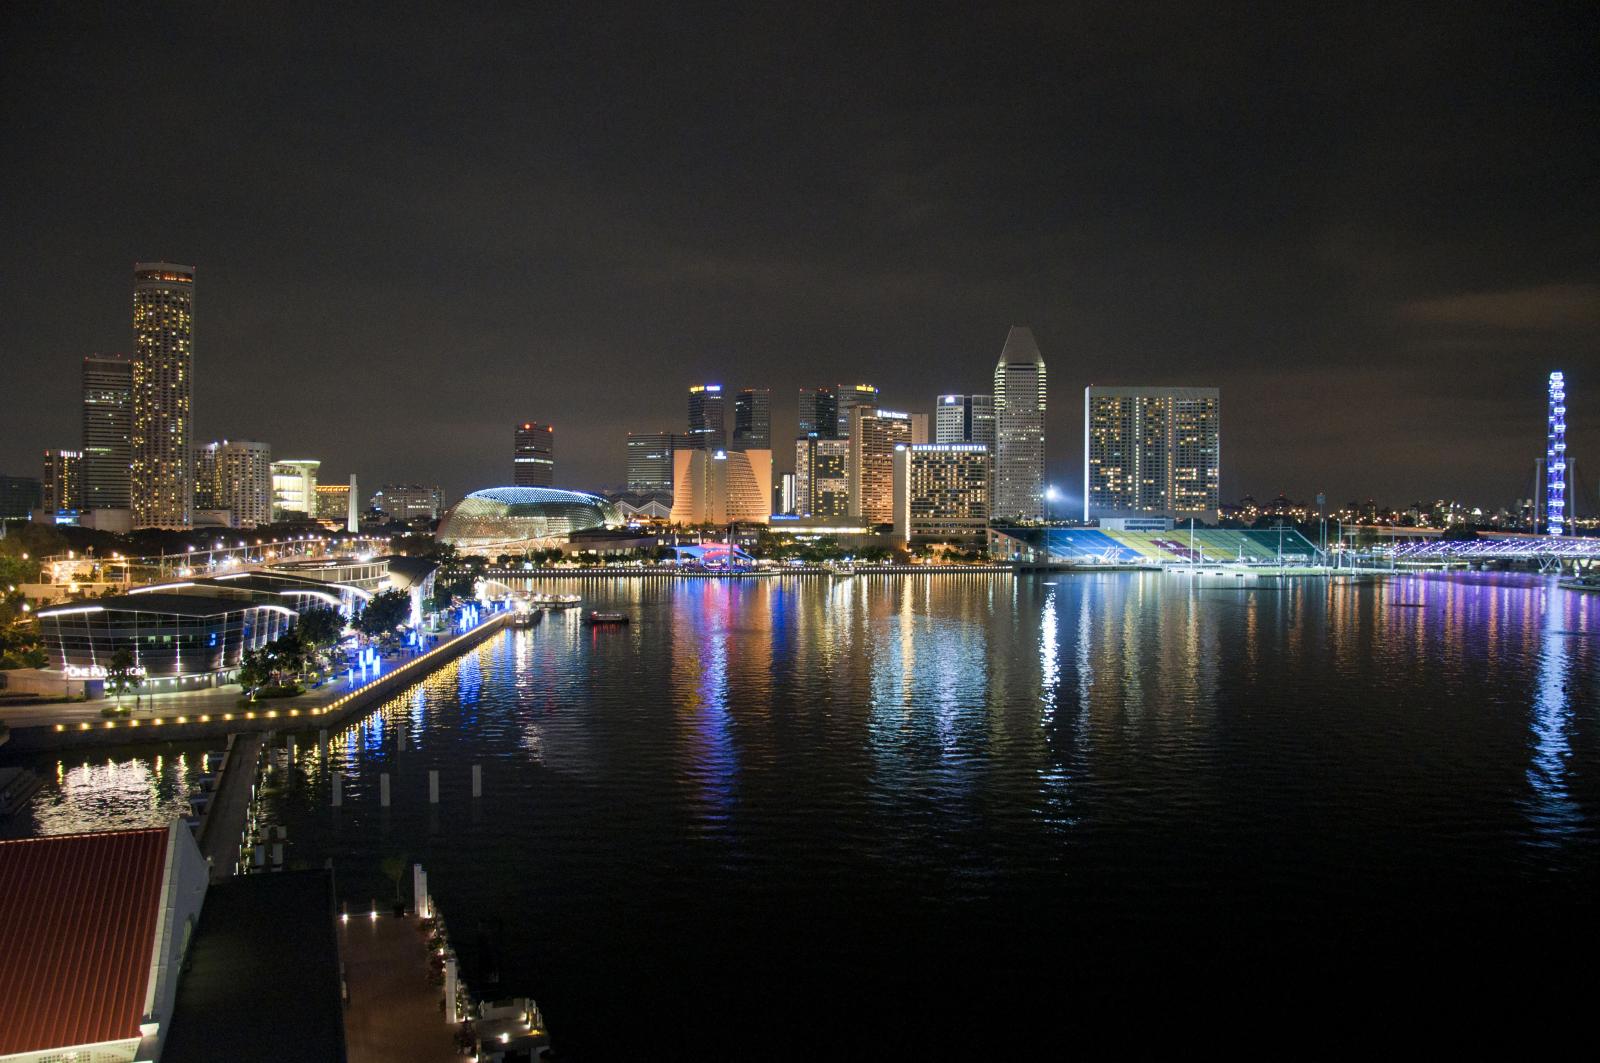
x=707, y=421
x=1151, y=451
x=107, y=430
x=533, y=455
x=161, y=484
x=849, y=396
x=1555, y=459
x=62, y=482
x=649, y=460
x=874, y=435
x=965, y=419
x=752, y=419
x=819, y=412
x=821, y=477
x=240, y=475
x=1019, y=408
x=941, y=490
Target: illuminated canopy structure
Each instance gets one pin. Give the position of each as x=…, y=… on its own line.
x=517, y=519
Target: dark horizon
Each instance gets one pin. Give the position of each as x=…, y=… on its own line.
x=1374, y=231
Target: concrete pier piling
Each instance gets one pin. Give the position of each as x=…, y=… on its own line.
x=383, y=789
x=338, y=789
x=477, y=780
x=433, y=786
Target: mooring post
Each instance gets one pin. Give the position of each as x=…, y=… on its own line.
x=433, y=786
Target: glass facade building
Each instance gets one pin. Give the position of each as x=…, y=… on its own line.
x=509, y=519
x=107, y=430
x=170, y=636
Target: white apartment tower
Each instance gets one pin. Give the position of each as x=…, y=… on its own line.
x=1019, y=407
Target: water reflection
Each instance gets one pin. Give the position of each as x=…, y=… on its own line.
x=1554, y=813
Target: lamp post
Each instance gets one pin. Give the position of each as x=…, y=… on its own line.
x=1049, y=497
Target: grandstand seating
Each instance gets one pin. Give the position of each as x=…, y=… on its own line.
x=1093, y=546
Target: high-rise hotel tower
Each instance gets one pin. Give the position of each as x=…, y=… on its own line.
x=1151, y=451
x=161, y=477
x=1019, y=404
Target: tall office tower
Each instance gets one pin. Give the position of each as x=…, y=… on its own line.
x=240, y=480
x=874, y=434
x=941, y=490
x=720, y=486
x=965, y=419
x=752, y=419
x=706, y=417
x=107, y=429
x=63, y=480
x=533, y=455
x=819, y=412
x=821, y=477
x=294, y=489
x=1555, y=462
x=849, y=397
x=1153, y=451
x=163, y=388
x=649, y=460
x=1019, y=407
x=204, y=477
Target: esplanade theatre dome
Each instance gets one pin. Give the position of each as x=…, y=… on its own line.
x=502, y=519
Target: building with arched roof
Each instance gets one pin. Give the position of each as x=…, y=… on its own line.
x=517, y=519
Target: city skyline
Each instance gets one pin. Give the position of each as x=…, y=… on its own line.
x=1436, y=287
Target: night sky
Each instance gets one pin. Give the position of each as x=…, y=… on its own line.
x=1375, y=231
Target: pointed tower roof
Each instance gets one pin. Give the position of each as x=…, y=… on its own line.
x=1020, y=346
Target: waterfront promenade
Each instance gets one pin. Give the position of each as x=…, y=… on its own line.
x=216, y=713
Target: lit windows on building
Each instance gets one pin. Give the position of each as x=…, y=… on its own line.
x=1019, y=411
x=533, y=455
x=941, y=490
x=294, y=489
x=161, y=472
x=63, y=480
x=1152, y=450
x=821, y=477
x=107, y=431
x=874, y=434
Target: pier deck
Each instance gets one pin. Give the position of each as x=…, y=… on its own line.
x=394, y=1010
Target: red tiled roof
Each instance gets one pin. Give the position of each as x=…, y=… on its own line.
x=78, y=919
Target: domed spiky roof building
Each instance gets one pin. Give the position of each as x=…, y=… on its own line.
x=512, y=519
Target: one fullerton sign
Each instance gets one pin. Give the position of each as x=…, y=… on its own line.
x=96, y=671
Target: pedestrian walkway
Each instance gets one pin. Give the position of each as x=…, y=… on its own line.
x=394, y=1011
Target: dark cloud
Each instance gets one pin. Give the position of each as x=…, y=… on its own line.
x=1373, y=227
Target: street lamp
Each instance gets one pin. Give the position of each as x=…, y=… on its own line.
x=1050, y=495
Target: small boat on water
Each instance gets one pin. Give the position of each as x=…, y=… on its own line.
x=16, y=786
x=841, y=569
x=607, y=618
x=1580, y=583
